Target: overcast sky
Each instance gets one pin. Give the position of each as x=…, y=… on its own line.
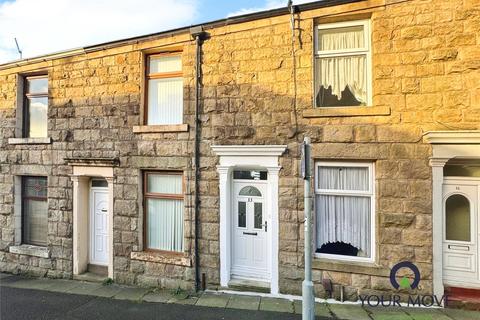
x=45, y=26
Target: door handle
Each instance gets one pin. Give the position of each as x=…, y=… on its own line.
x=265, y=225
x=104, y=210
x=250, y=233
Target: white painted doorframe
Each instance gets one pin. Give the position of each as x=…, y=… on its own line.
x=445, y=146
x=81, y=189
x=248, y=156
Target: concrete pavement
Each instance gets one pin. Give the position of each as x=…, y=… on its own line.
x=80, y=299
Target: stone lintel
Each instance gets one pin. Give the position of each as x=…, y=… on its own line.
x=351, y=267
x=30, y=250
x=46, y=140
x=178, y=259
x=98, y=162
x=346, y=112
x=161, y=128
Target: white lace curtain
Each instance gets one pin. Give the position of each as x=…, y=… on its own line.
x=339, y=72
x=344, y=218
x=343, y=178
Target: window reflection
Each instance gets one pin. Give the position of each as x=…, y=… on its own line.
x=38, y=117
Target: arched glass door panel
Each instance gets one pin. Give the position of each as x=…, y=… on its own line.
x=457, y=211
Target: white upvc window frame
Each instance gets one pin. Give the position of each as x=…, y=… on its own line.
x=367, y=51
x=368, y=193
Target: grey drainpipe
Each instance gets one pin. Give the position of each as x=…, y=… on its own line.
x=199, y=35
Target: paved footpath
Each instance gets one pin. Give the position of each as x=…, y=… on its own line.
x=30, y=298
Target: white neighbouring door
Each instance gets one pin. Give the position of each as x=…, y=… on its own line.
x=250, y=256
x=461, y=232
x=98, y=226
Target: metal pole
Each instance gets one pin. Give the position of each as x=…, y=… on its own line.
x=307, y=285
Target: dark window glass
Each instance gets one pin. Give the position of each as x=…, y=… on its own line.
x=250, y=175
x=35, y=210
x=250, y=191
x=242, y=214
x=99, y=183
x=258, y=215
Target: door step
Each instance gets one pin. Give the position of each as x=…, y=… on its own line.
x=95, y=273
x=100, y=270
x=90, y=277
x=463, y=298
x=249, y=285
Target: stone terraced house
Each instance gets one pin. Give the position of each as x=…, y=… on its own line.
x=173, y=159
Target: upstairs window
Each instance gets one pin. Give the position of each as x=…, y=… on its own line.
x=164, y=89
x=342, y=64
x=35, y=107
x=34, y=211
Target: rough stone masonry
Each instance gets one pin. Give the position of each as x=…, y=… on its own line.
x=425, y=67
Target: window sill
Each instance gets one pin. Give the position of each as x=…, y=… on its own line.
x=178, y=259
x=346, y=112
x=46, y=140
x=161, y=128
x=30, y=250
x=350, y=267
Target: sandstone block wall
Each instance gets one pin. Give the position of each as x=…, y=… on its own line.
x=425, y=71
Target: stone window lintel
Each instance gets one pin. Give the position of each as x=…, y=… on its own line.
x=346, y=112
x=46, y=140
x=159, y=257
x=161, y=128
x=30, y=250
x=350, y=267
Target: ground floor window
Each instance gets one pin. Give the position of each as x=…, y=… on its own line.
x=163, y=202
x=34, y=211
x=344, y=205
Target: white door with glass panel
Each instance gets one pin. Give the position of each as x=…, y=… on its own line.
x=460, y=234
x=99, y=226
x=250, y=228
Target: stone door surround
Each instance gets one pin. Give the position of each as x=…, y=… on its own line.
x=446, y=145
x=81, y=190
x=251, y=157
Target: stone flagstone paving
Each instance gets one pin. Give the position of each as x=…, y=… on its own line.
x=233, y=301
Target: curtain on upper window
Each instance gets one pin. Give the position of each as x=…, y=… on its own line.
x=164, y=211
x=34, y=210
x=164, y=90
x=344, y=207
x=342, y=64
x=35, y=107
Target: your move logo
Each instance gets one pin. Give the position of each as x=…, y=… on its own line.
x=406, y=284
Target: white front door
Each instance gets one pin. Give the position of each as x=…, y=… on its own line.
x=250, y=254
x=461, y=233
x=99, y=226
